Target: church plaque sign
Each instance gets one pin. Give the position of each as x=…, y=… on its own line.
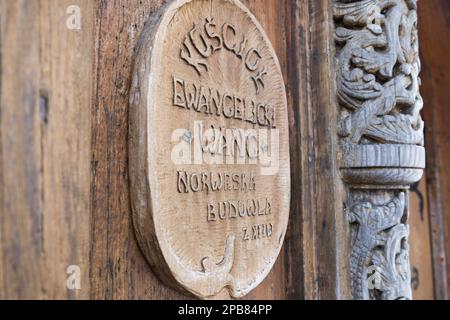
x=209, y=148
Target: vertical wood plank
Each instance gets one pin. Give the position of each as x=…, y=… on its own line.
x=3, y=293
x=331, y=228
x=46, y=73
x=434, y=28
x=66, y=81
x=299, y=247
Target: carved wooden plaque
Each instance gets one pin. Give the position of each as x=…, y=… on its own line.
x=209, y=148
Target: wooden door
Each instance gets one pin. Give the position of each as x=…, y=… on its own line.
x=64, y=149
x=65, y=200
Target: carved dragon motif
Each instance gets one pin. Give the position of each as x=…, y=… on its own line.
x=379, y=226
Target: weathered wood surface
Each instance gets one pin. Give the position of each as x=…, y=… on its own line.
x=435, y=50
x=46, y=87
x=210, y=220
x=118, y=269
x=381, y=139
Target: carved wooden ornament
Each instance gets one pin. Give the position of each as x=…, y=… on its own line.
x=209, y=148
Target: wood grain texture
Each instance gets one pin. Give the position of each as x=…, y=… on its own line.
x=22, y=216
x=332, y=232
x=435, y=49
x=46, y=72
x=118, y=269
x=420, y=243
x=66, y=81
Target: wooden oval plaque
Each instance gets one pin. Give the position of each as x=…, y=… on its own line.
x=209, y=148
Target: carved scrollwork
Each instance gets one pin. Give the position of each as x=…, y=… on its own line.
x=379, y=259
x=380, y=136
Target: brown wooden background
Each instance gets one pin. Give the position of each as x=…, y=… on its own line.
x=63, y=153
x=434, y=17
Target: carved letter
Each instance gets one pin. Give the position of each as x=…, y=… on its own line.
x=252, y=66
x=186, y=54
x=226, y=42
x=209, y=30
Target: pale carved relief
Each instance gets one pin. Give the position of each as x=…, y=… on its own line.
x=381, y=137
x=209, y=148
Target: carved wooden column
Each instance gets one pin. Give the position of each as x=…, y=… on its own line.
x=380, y=133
